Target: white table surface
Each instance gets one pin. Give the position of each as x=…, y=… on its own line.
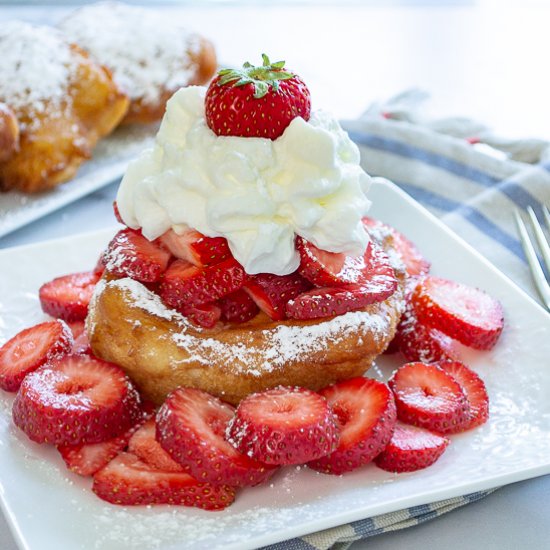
x=476, y=61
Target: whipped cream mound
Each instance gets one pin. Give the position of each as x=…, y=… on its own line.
x=257, y=193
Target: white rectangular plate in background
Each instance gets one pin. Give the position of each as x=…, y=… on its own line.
x=50, y=508
x=109, y=162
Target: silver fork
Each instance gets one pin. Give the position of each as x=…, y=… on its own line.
x=537, y=273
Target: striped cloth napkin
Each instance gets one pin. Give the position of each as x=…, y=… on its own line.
x=470, y=179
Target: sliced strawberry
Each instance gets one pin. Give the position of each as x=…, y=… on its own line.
x=365, y=412
x=68, y=297
x=76, y=399
x=238, y=307
x=284, y=426
x=418, y=342
x=186, y=285
x=191, y=427
x=426, y=396
x=197, y=249
x=144, y=445
x=30, y=349
x=324, y=268
x=272, y=292
x=475, y=391
x=414, y=261
x=130, y=254
x=81, y=343
x=128, y=481
x=378, y=284
x=203, y=315
x=87, y=459
x=411, y=449
x=464, y=313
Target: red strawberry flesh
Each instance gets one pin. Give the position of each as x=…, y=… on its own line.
x=191, y=427
x=68, y=297
x=324, y=268
x=130, y=254
x=185, y=285
x=128, y=481
x=30, y=349
x=271, y=293
x=419, y=342
x=76, y=399
x=415, y=263
x=256, y=101
x=365, y=412
x=411, y=449
x=145, y=446
x=475, y=391
x=378, y=284
x=464, y=313
x=196, y=248
x=284, y=426
x=204, y=315
x=426, y=396
x=87, y=459
x=238, y=307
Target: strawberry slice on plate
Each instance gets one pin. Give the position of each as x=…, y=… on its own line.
x=30, y=349
x=128, y=481
x=415, y=263
x=68, y=297
x=130, y=254
x=87, y=459
x=191, y=427
x=238, y=307
x=411, y=449
x=271, y=293
x=196, y=248
x=429, y=397
x=186, y=285
x=284, y=426
x=145, y=446
x=76, y=399
x=464, y=313
x=365, y=412
x=475, y=391
x=419, y=342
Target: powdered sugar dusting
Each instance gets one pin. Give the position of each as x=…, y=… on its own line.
x=283, y=344
x=35, y=69
x=146, y=50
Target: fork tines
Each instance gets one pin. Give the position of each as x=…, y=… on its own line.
x=537, y=272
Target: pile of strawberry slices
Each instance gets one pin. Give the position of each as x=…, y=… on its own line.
x=196, y=450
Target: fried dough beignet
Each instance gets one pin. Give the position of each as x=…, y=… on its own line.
x=161, y=350
x=9, y=133
x=63, y=101
x=149, y=54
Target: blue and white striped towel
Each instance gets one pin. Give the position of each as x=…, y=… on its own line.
x=473, y=189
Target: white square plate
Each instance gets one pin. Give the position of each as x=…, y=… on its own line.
x=49, y=508
x=109, y=162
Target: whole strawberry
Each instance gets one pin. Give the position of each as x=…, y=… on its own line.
x=256, y=101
